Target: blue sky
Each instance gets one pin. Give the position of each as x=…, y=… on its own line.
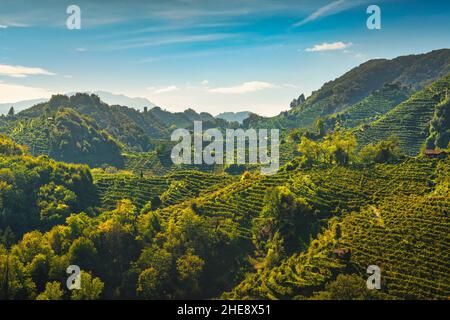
x=210, y=55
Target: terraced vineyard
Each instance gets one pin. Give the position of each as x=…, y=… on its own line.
x=152, y=164
x=115, y=187
x=410, y=120
x=385, y=216
x=32, y=134
x=409, y=239
x=375, y=105
x=171, y=189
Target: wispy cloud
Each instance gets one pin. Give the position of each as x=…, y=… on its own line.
x=159, y=90
x=327, y=10
x=22, y=72
x=329, y=46
x=3, y=26
x=152, y=41
x=245, y=87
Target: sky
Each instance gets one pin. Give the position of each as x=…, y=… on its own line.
x=209, y=55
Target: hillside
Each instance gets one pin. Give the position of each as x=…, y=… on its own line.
x=205, y=235
x=410, y=120
x=234, y=116
x=414, y=71
x=66, y=136
x=129, y=126
x=369, y=228
x=371, y=108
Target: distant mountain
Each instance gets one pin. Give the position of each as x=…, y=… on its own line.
x=234, y=116
x=413, y=71
x=107, y=97
x=19, y=106
x=134, y=130
x=121, y=99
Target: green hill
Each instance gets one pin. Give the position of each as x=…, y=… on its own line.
x=410, y=120
x=378, y=103
x=415, y=71
x=389, y=217
x=132, y=128
x=69, y=137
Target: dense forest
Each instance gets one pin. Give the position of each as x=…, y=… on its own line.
x=364, y=180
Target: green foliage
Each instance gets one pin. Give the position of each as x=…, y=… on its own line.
x=340, y=94
x=347, y=287
x=91, y=288
x=10, y=148
x=199, y=235
x=385, y=151
x=68, y=136
x=52, y=292
x=338, y=148
x=55, y=203
x=39, y=192
x=439, y=136
x=410, y=120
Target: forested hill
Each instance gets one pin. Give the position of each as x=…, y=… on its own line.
x=307, y=232
x=413, y=71
x=132, y=127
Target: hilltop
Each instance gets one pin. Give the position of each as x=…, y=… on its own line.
x=413, y=71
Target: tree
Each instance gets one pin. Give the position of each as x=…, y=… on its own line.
x=15, y=282
x=149, y=284
x=11, y=112
x=311, y=151
x=52, y=292
x=340, y=147
x=82, y=252
x=385, y=151
x=91, y=288
x=347, y=287
x=189, y=269
x=287, y=214
x=55, y=203
x=439, y=136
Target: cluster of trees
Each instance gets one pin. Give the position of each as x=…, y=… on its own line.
x=439, y=136
x=10, y=148
x=49, y=220
x=283, y=227
x=340, y=147
x=121, y=255
x=37, y=193
x=76, y=138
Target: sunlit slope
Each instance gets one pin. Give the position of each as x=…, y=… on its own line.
x=410, y=120
x=401, y=225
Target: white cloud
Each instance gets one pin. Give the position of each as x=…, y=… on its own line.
x=3, y=26
x=330, y=9
x=22, y=72
x=205, y=82
x=10, y=93
x=246, y=87
x=163, y=89
x=329, y=46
